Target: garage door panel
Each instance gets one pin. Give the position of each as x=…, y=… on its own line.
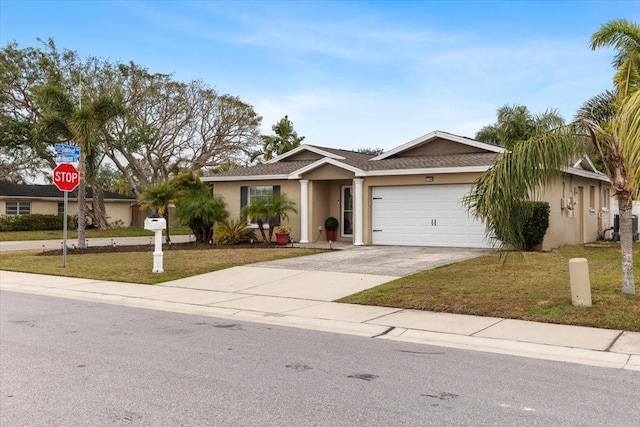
x=425, y=216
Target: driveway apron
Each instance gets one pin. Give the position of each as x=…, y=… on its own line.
x=394, y=261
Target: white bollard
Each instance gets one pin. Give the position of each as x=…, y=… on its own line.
x=580, y=284
x=157, y=253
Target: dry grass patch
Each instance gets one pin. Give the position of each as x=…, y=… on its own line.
x=534, y=286
x=135, y=267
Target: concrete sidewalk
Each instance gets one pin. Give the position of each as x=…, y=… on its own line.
x=303, y=299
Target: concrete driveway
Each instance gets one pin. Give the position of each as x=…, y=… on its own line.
x=379, y=260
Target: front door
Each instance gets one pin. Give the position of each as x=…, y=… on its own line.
x=346, y=229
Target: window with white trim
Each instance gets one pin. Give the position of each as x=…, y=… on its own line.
x=17, y=208
x=257, y=192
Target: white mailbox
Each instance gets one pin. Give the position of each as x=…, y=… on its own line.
x=156, y=225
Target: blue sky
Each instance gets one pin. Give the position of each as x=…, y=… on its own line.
x=349, y=74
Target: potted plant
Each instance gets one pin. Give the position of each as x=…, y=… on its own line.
x=282, y=235
x=331, y=225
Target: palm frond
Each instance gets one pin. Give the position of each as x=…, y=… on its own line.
x=626, y=127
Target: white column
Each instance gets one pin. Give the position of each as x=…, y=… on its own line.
x=304, y=211
x=358, y=214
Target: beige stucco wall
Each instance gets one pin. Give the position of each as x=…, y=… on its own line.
x=439, y=147
x=116, y=211
x=585, y=221
x=328, y=172
x=304, y=155
x=230, y=191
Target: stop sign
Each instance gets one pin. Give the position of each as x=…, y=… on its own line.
x=66, y=177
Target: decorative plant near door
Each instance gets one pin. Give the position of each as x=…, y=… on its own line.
x=331, y=225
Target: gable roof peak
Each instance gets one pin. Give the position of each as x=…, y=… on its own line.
x=439, y=135
x=304, y=147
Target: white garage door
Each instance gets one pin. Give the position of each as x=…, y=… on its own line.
x=425, y=216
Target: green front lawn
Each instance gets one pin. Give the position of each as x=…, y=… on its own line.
x=135, y=267
x=8, y=236
x=534, y=286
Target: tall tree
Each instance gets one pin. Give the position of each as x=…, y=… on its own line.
x=21, y=72
x=169, y=125
x=285, y=139
x=515, y=123
x=62, y=120
x=172, y=126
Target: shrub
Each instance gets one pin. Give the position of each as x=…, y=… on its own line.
x=34, y=222
x=536, y=223
x=233, y=233
x=331, y=224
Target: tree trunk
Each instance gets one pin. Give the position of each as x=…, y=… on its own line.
x=625, y=205
x=82, y=199
x=99, y=212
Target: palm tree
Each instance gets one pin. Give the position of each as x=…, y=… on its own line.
x=158, y=197
x=270, y=208
x=200, y=211
x=515, y=123
x=612, y=123
x=285, y=139
x=624, y=37
x=62, y=121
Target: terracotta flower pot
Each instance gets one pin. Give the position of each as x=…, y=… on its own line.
x=282, y=238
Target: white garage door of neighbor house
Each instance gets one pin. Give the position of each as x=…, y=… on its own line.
x=430, y=215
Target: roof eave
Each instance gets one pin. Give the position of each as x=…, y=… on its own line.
x=422, y=171
x=243, y=178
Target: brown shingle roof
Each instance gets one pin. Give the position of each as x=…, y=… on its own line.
x=278, y=168
x=428, y=162
x=10, y=189
x=363, y=161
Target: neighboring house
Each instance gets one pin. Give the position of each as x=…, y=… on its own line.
x=23, y=199
x=410, y=195
x=635, y=211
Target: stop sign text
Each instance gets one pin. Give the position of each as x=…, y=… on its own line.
x=66, y=177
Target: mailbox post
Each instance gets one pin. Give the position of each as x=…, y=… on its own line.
x=156, y=225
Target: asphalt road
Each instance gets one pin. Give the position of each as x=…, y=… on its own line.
x=72, y=363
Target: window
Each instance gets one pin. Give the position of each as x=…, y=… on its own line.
x=347, y=211
x=605, y=199
x=257, y=192
x=60, y=208
x=592, y=197
x=18, y=208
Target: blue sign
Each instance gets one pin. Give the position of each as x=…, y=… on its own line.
x=66, y=158
x=67, y=149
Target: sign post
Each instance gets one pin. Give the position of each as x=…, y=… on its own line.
x=66, y=178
